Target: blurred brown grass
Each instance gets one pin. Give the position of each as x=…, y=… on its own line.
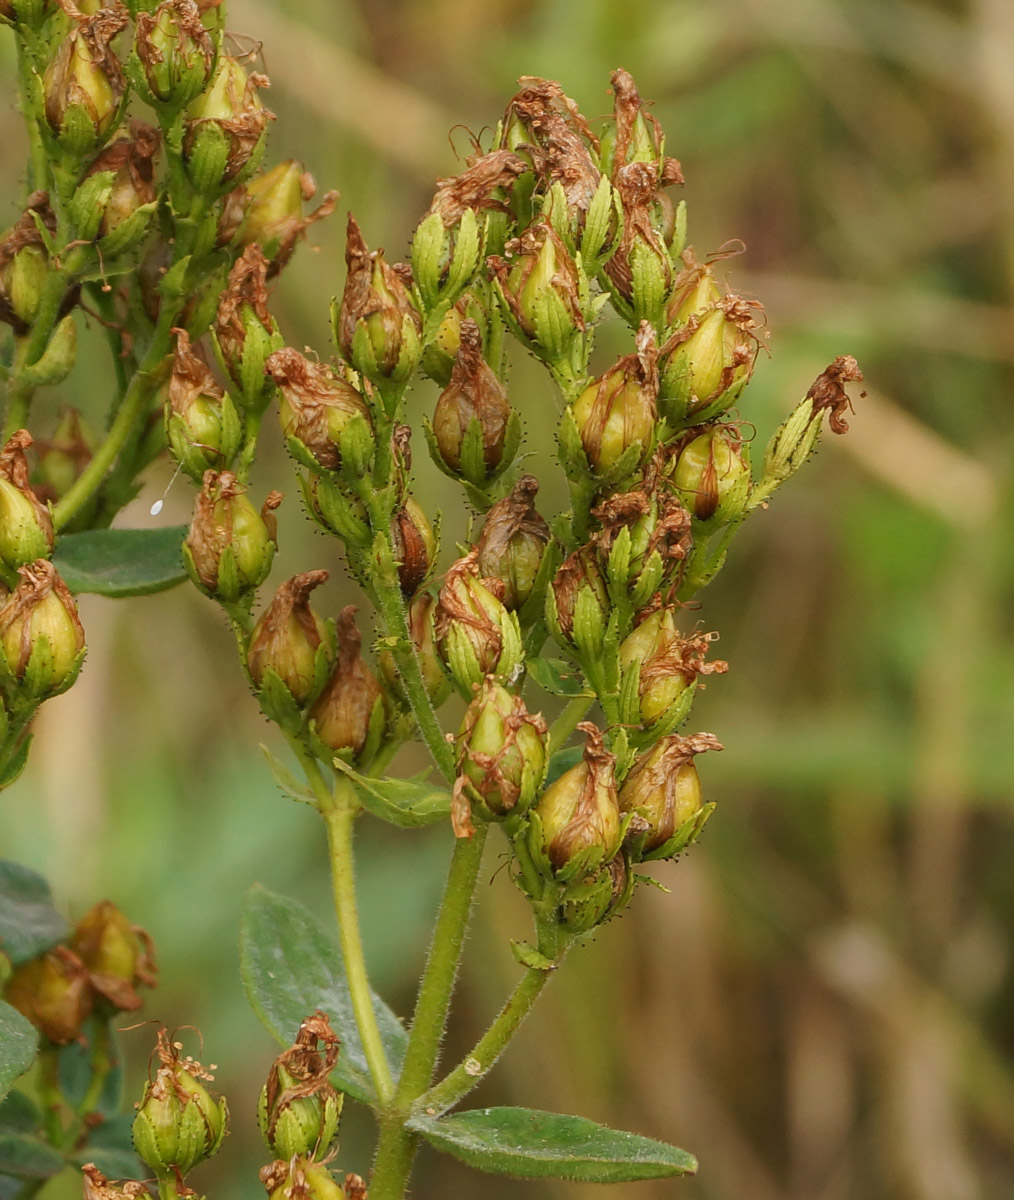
x=821, y=1006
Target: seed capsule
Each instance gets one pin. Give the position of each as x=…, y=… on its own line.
x=352, y=702
x=229, y=548
x=298, y=1179
x=712, y=476
x=84, y=83
x=202, y=424
x=226, y=125
x=473, y=394
x=175, y=51
x=578, y=814
x=315, y=406
x=415, y=546
x=133, y=184
x=513, y=541
x=476, y=635
x=288, y=637
x=178, y=1123
x=298, y=1109
x=40, y=631
x=26, y=527
x=501, y=758
x=664, y=790
x=577, y=603
x=706, y=363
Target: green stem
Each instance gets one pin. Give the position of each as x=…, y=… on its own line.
x=566, y=722
x=476, y=1065
x=339, y=819
x=38, y=158
x=51, y=1097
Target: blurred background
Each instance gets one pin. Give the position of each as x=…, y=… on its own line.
x=822, y=1005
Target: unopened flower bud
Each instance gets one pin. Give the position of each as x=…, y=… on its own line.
x=712, y=476
x=65, y=455
x=229, y=548
x=540, y=286
x=579, y=819
x=415, y=546
x=513, y=541
x=667, y=665
x=269, y=211
x=378, y=328
x=316, y=407
x=54, y=993
x=178, y=1122
x=84, y=83
x=24, y=264
x=202, y=423
x=501, y=758
x=420, y=627
x=664, y=790
x=577, y=604
x=298, y=1108
x=175, y=52
x=348, y=716
x=299, y=1179
x=40, y=631
x=245, y=330
x=470, y=419
x=476, y=635
x=617, y=410
x=705, y=364
x=291, y=640
x=226, y=125
x=118, y=956
x=26, y=527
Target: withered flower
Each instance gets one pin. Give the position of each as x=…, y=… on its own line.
x=640, y=273
x=667, y=663
x=577, y=603
x=268, y=210
x=299, y=1179
x=541, y=111
x=54, y=993
x=244, y=327
x=298, y=1108
x=118, y=956
x=828, y=391
x=175, y=52
x=178, y=1122
x=378, y=327
x=638, y=136
x=229, y=548
x=476, y=187
x=226, y=124
x=540, y=290
x=133, y=185
x=617, y=410
x=26, y=526
x=24, y=266
x=711, y=474
x=473, y=394
x=415, y=546
x=476, y=635
x=84, y=83
x=98, y=1187
x=202, y=424
x=660, y=536
x=40, y=630
x=315, y=405
x=288, y=636
x=352, y=700
x=501, y=750
x=579, y=813
x=664, y=790
x=512, y=542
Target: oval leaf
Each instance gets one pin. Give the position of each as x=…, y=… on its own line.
x=532, y=1144
x=27, y=1157
x=407, y=803
x=18, y=1043
x=121, y=562
x=290, y=967
x=29, y=924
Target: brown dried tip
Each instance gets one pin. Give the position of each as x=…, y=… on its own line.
x=374, y=287
x=627, y=107
x=355, y=1187
x=14, y=468
x=512, y=541
x=344, y=709
x=672, y=533
x=596, y=808
x=94, y=33
x=474, y=187
x=543, y=108
x=191, y=376
x=828, y=391
x=134, y=182
x=473, y=392
x=97, y=1187
x=316, y=404
x=247, y=286
x=308, y=1065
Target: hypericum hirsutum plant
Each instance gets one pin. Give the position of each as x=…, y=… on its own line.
x=573, y=638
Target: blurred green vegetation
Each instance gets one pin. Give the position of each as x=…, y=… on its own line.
x=822, y=1006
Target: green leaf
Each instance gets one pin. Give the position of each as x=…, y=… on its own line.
x=289, y=784
x=27, y=1157
x=290, y=967
x=562, y=761
x=122, y=562
x=29, y=923
x=532, y=1144
x=18, y=1114
x=110, y=1147
x=18, y=1043
x=74, y=1063
x=557, y=677
x=404, y=802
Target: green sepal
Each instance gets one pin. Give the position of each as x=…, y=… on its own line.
x=529, y=1144
x=427, y=258
x=557, y=677
x=291, y=786
x=128, y=234
x=685, y=836
x=648, y=581
x=526, y=955
x=336, y=514
x=207, y=158
x=679, y=235
x=605, y=210
x=57, y=359
x=357, y=445
x=37, y=683
x=88, y=204
x=16, y=762
x=278, y=704
x=407, y=803
x=668, y=722
x=618, y=564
